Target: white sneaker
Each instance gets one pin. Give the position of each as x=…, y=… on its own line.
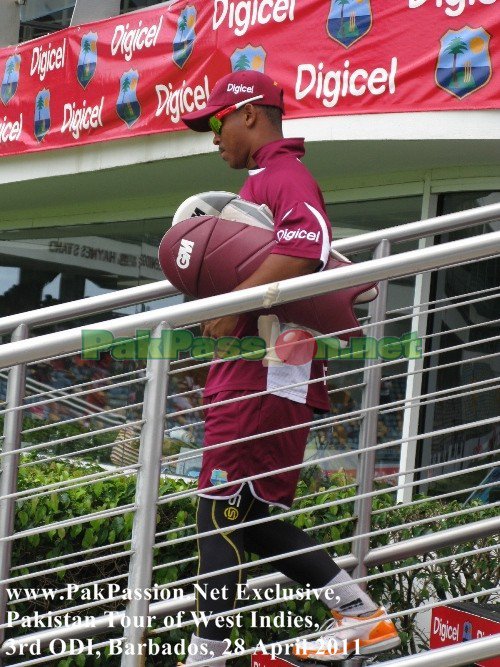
x=350, y=635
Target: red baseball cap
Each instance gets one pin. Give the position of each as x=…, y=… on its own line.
x=233, y=88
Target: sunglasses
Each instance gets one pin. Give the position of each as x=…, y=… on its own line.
x=215, y=121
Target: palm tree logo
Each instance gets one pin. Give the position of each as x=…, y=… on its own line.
x=185, y=36
x=87, y=61
x=127, y=105
x=456, y=47
x=349, y=21
x=42, y=114
x=249, y=58
x=11, y=78
x=464, y=63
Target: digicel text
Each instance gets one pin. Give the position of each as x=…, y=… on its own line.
x=11, y=131
x=329, y=86
x=82, y=118
x=458, y=4
x=241, y=15
x=128, y=41
x=46, y=61
x=175, y=103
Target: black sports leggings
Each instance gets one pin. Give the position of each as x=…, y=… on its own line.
x=227, y=547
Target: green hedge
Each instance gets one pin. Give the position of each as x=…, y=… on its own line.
x=401, y=591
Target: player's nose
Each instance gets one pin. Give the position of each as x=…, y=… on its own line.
x=216, y=139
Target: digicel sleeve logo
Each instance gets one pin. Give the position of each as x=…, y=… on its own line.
x=349, y=21
x=464, y=63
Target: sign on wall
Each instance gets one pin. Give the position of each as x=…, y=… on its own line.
x=137, y=73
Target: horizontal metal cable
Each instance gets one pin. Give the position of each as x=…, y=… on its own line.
x=70, y=438
x=286, y=514
x=487, y=646
x=74, y=481
x=115, y=620
x=182, y=561
x=74, y=554
x=86, y=392
x=103, y=514
x=366, y=327
x=370, y=240
x=443, y=464
x=94, y=415
x=253, y=298
x=350, y=330
x=450, y=299
x=69, y=456
x=448, y=394
x=387, y=408
x=66, y=395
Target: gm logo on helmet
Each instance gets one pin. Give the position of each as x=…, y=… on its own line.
x=184, y=254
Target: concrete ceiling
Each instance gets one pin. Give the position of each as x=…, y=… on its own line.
x=155, y=188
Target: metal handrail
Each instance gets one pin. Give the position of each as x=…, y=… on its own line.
x=261, y=297
x=451, y=656
x=158, y=290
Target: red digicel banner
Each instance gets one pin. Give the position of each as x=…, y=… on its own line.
x=453, y=626
x=137, y=73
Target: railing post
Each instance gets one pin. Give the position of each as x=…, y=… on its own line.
x=16, y=386
x=368, y=432
x=146, y=497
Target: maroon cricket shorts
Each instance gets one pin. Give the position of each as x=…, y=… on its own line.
x=243, y=419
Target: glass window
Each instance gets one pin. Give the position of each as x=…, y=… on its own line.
x=42, y=17
x=59, y=264
x=469, y=356
x=132, y=5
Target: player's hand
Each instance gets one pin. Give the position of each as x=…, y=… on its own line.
x=221, y=326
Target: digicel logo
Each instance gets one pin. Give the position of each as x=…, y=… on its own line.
x=454, y=7
x=331, y=85
x=445, y=630
x=175, y=102
x=240, y=16
x=290, y=234
x=237, y=88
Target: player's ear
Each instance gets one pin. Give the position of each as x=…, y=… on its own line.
x=250, y=112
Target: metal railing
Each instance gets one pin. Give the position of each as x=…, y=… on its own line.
x=162, y=557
